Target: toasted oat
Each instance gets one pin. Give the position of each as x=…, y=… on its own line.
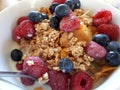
x=84, y=16
x=44, y=10
x=52, y=45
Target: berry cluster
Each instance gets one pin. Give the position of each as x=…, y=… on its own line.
x=25, y=25
x=16, y=56
x=101, y=48
x=63, y=18
x=104, y=44
x=58, y=80
x=102, y=19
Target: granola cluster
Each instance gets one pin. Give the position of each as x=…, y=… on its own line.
x=53, y=45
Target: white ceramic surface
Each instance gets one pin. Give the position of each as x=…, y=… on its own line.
x=8, y=18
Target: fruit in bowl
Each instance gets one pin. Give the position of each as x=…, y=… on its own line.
x=64, y=44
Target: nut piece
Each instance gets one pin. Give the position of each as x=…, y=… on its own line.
x=44, y=79
x=30, y=62
x=45, y=76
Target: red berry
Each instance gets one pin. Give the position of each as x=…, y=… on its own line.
x=58, y=80
x=21, y=19
x=19, y=66
x=27, y=81
x=34, y=66
x=111, y=30
x=95, y=50
x=101, y=17
x=58, y=1
x=81, y=81
x=69, y=23
x=24, y=30
x=70, y=12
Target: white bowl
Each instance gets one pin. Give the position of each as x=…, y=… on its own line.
x=8, y=19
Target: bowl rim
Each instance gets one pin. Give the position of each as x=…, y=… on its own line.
x=112, y=79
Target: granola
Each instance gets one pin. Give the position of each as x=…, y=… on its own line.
x=53, y=45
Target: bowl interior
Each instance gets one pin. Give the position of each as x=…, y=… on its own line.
x=8, y=19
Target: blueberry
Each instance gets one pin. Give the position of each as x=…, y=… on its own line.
x=52, y=7
x=77, y=4
x=44, y=16
x=113, y=46
x=70, y=3
x=16, y=55
x=54, y=22
x=65, y=65
x=112, y=58
x=75, y=1
x=101, y=39
x=35, y=16
x=62, y=10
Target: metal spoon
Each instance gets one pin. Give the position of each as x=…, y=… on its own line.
x=15, y=74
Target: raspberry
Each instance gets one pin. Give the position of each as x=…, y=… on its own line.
x=95, y=50
x=34, y=66
x=58, y=1
x=24, y=30
x=81, y=81
x=27, y=81
x=21, y=19
x=19, y=66
x=111, y=30
x=69, y=23
x=101, y=17
x=58, y=80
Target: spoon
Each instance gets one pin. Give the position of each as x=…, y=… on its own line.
x=15, y=74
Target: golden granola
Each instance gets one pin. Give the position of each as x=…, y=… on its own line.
x=52, y=45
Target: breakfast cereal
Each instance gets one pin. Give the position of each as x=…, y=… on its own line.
x=71, y=46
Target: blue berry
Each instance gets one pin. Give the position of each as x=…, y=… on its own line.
x=101, y=39
x=62, y=10
x=112, y=58
x=113, y=46
x=70, y=3
x=77, y=4
x=44, y=16
x=16, y=55
x=52, y=7
x=75, y=1
x=54, y=22
x=35, y=16
x=65, y=65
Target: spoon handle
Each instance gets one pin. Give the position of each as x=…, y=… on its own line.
x=15, y=74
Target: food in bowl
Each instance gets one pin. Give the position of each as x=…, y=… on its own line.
x=66, y=45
